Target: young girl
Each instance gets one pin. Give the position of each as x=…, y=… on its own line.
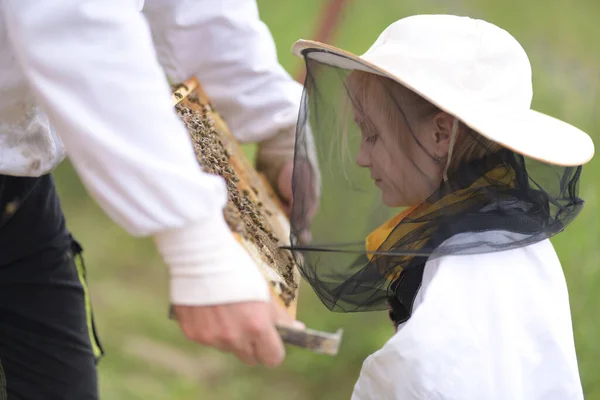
x=437, y=115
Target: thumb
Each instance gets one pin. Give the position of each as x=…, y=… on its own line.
x=280, y=316
x=305, y=237
x=284, y=182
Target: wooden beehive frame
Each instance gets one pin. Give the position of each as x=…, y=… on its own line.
x=253, y=205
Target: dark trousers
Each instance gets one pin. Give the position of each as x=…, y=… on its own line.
x=48, y=345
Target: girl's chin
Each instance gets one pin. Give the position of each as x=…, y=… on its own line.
x=392, y=202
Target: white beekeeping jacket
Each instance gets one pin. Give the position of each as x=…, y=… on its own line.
x=61, y=95
x=493, y=326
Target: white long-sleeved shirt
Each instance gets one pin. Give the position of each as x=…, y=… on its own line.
x=97, y=70
x=493, y=326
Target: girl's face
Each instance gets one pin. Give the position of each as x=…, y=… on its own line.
x=391, y=159
x=399, y=150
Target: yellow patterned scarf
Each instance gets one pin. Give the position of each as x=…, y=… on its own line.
x=378, y=240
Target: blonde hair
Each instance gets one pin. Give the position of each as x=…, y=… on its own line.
x=375, y=91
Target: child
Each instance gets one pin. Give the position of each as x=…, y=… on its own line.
x=437, y=113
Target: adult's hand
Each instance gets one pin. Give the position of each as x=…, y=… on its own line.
x=245, y=329
x=306, y=195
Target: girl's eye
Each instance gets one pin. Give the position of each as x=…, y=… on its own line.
x=371, y=139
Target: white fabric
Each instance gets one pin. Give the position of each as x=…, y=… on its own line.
x=473, y=70
x=97, y=75
x=181, y=249
x=493, y=326
x=36, y=148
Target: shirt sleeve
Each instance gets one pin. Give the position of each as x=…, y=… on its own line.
x=231, y=51
x=94, y=69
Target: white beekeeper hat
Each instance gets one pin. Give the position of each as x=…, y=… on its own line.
x=474, y=71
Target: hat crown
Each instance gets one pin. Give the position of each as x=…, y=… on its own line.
x=470, y=59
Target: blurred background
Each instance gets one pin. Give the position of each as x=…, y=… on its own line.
x=148, y=358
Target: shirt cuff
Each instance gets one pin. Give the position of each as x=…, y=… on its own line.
x=207, y=265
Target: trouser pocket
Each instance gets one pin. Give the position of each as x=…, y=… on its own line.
x=77, y=252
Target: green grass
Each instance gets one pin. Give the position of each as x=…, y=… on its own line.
x=147, y=358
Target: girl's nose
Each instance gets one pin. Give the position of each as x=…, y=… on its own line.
x=363, y=158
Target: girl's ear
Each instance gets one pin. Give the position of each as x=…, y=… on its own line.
x=437, y=135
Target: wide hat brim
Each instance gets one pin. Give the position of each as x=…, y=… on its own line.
x=524, y=131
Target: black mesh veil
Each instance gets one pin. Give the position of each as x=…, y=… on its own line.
x=385, y=209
